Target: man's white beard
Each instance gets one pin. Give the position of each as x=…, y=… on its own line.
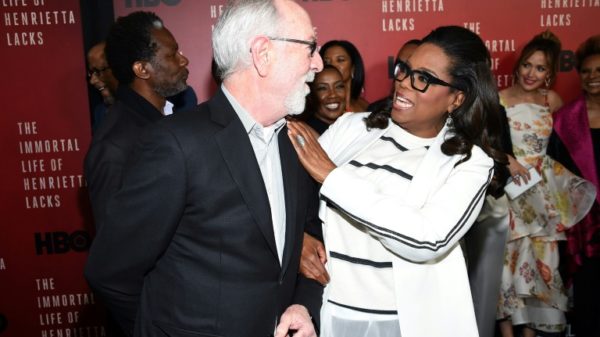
x=296, y=100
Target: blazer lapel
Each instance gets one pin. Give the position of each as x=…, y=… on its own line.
x=239, y=157
x=289, y=169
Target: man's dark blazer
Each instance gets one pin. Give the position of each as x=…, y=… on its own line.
x=112, y=144
x=188, y=247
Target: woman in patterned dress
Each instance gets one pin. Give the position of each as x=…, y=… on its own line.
x=532, y=291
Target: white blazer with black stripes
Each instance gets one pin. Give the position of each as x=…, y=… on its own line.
x=420, y=227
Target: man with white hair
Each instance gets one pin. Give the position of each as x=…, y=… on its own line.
x=204, y=237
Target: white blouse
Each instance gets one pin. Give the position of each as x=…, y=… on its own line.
x=393, y=212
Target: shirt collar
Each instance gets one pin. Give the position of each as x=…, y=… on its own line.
x=168, y=110
x=250, y=124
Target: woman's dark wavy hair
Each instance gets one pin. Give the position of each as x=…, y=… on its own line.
x=590, y=47
x=547, y=43
x=130, y=40
x=478, y=120
x=358, y=79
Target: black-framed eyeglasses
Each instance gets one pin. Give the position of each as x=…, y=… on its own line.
x=419, y=80
x=311, y=44
x=96, y=71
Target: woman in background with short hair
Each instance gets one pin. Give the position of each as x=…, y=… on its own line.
x=575, y=142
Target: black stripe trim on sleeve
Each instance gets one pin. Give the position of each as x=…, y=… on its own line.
x=382, y=167
x=411, y=242
x=394, y=142
x=370, y=311
x=357, y=260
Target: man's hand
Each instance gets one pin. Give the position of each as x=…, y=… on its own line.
x=297, y=320
x=312, y=262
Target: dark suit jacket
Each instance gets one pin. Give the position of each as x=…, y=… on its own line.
x=188, y=247
x=112, y=144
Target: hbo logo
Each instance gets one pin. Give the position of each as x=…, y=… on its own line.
x=62, y=242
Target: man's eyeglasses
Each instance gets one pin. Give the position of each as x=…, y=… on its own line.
x=311, y=44
x=96, y=71
x=419, y=80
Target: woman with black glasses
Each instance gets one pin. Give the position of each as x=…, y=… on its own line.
x=401, y=187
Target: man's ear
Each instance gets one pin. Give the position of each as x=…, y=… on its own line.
x=459, y=98
x=262, y=54
x=142, y=69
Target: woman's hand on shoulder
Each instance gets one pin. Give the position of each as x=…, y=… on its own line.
x=311, y=154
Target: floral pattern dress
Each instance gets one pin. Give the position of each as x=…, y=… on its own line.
x=532, y=290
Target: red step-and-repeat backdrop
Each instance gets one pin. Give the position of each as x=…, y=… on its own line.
x=46, y=229
x=378, y=28
x=45, y=123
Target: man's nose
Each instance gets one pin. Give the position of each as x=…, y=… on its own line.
x=184, y=60
x=316, y=63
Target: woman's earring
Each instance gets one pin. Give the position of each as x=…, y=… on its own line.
x=449, y=120
x=547, y=82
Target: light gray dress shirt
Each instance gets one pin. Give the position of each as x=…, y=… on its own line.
x=265, y=144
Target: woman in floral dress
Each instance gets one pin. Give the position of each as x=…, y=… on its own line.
x=532, y=292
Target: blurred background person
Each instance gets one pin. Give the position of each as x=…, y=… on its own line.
x=100, y=76
x=403, y=54
x=327, y=99
x=392, y=217
x=532, y=291
x=343, y=55
x=575, y=143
